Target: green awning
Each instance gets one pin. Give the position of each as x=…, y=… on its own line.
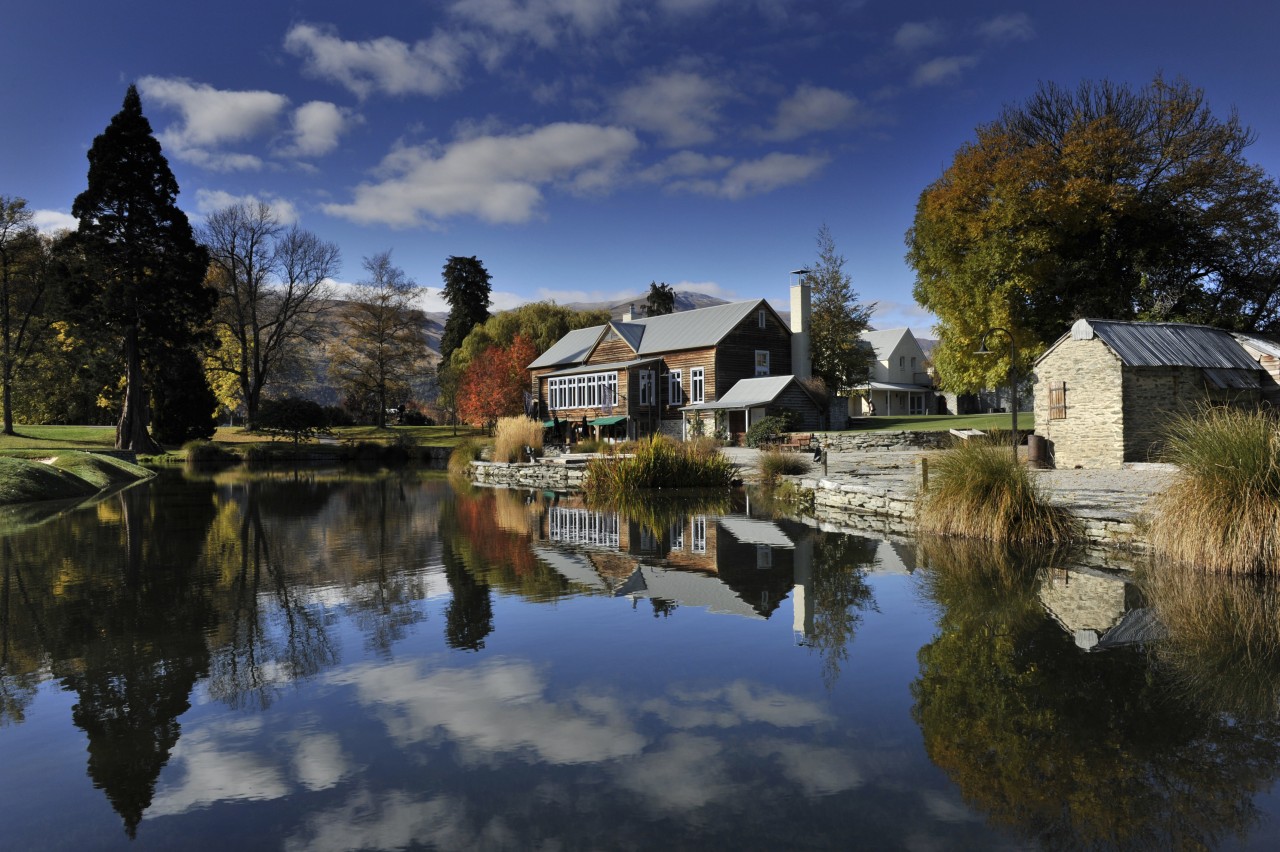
x=547, y=424
x=608, y=421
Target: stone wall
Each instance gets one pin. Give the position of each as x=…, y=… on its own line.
x=1092, y=433
x=867, y=442
x=554, y=477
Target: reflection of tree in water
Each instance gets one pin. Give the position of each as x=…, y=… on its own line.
x=130, y=636
x=491, y=531
x=254, y=656
x=1067, y=748
x=18, y=666
x=840, y=596
x=469, y=616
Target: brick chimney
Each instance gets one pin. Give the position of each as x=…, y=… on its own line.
x=801, y=315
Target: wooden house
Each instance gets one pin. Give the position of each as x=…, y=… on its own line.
x=676, y=374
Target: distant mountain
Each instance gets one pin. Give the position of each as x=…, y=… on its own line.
x=686, y=300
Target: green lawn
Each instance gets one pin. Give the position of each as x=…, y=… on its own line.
x=943, y=422
x=60, y=437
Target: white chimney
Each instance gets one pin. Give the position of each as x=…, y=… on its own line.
x=630, y=313
x=801, y=314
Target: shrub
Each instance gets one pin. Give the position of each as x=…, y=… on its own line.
x=208, y=454
x=512, y=435
x=1223, y=511
x=463, y=455
x=658, y=462
x=775, y=464
x=976, y=490
x=767, y=428
x=592, y=445
x=292, y=417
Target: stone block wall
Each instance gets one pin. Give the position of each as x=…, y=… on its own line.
x=870, y=442
x=1092, y=434
x=552, y=477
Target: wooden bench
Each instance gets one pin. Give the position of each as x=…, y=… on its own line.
x=796, y=443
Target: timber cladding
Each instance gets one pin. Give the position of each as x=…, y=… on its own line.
x=735, y=357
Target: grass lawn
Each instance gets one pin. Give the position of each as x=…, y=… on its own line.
x=943, y=422
x=60, y=437
x=423, y=436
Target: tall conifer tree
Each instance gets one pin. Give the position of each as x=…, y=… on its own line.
x=141, y=273
x=466, y=289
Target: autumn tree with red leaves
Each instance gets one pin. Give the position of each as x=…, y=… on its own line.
x=493, y=385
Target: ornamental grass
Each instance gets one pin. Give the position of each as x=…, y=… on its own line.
x=463, y=455
x=1222, y=513
x=512, y=435
x=775, y=464
x=976, y=490
x=657, y=462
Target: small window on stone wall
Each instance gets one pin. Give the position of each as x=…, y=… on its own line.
x=1058, y=401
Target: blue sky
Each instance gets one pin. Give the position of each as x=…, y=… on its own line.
x=583, y=148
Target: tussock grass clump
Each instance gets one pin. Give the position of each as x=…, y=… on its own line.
x=1223, y=511
x=1222, y=637
x=512, y=435
x=463, y=455
x=658, y=462
x=977, y=491
x=775, y=464
x=207, y=454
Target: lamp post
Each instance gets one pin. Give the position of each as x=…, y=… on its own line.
x=1013, y=381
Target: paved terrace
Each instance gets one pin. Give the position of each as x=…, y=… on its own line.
x=884, y=484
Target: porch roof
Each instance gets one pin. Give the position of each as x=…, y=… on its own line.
x=893, y=386
x=747, y=393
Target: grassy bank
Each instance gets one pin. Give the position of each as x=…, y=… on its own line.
x=27, y=476
x=944, y=422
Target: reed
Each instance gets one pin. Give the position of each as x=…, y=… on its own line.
x=657, y=462
x=977, y=491
x=775, y=464
x=1222, y=513
x=463, y=455
x=512, y=435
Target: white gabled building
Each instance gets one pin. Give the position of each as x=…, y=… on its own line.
x=900, y=381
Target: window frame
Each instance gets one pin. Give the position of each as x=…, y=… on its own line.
x=697, y=385
x=675, y=387
x=766, y=365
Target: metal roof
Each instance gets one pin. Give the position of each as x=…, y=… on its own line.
x=884, y=341
x=601, y=368
x=1264, y=345
x=631, y=332
x=1166, y=344
x=573, y=348
x=747, y=393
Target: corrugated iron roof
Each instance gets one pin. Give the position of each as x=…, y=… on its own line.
x=747, y=393
x=631, y=332
x=601, y=368
x=884, y=341
x=1265, y=345
x=692, y=329
x=573, y=348
x=1166, y=344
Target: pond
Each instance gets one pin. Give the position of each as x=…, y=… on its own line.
x=334, y=660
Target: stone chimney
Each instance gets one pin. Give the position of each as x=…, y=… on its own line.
x=801, y=314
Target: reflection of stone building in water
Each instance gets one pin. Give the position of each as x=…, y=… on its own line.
x=729, y=564
x=1099, y=610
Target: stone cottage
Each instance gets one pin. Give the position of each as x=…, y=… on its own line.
x=1106, y=391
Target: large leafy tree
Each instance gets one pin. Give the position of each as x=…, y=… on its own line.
x=273, y=285
x=385, y=345
x=837, y=321
x=24, y=278
x=466, y=289
x=140, y=271
x=494, y=384
x=542, y=323
x=1103, y=201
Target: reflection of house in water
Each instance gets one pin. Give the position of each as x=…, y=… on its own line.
x=879, y=557
x=727, y=564
x=1098, y=609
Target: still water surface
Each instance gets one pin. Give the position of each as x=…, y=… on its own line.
x=340, y=661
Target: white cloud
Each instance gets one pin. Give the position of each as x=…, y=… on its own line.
x=1015, y=26
x=427, y=67
x=944, y=69
x=209, y=200
x=212, y=118
x=317, y=126
x=913, y=36
x=889, y=314
x=685, y=164
x=812, y=109
x=755, y=177
x=687, y=7
x=53, y=221
x=680, y=106
x=542, y=21
x=499, y=179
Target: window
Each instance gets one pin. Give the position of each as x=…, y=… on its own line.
x=1058, y=401
x=913, y=364
x=902, y=362
x=646, y=387
x=697, y=385
x=582, y=391
x=675, y=388
x=762, y=362
x=760, y=319
x=699, y=534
